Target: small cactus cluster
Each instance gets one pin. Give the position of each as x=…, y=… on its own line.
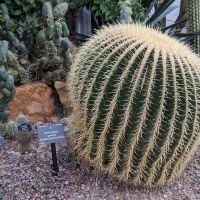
x=7, y=92
x=52, y=43
x=23, y=136
x=9, y=62
x=10, y=130
x=135, y=94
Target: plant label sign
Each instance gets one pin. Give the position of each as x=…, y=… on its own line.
x=51, y=133
x=24, y=126
x=2, y=142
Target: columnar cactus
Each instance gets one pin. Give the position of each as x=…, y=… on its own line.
x=52, y=44
x=194, y=22
x=125, y=11
x=12, y=49
x=7, y=92
x=135, y=93
x=9, y=62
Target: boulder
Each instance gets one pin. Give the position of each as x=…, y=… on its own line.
x=35, y=101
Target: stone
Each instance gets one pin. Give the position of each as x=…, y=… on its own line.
x=63, y=93
x=36, y=102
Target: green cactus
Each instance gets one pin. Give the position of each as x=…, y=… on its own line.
x=125, y=11
x=7, y=91
x=11, y=130
x=60, y=10
x=24, y=138
x=65, y=29
x=52, y=45
x=135, y=93
x=21, y=119
x=47, y=14
x=194, y=22
x=2, y=128
x=65, y=44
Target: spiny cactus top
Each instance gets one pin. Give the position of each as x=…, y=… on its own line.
x=136, y=104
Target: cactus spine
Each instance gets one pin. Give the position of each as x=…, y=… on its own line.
x=194, y=22
x=135, y=94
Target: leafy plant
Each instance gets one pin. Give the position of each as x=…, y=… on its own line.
x=108, y=10
x=20, y=8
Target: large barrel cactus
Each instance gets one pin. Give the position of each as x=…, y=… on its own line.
x=135, y=94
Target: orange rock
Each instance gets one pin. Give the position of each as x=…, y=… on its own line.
x=35, y=101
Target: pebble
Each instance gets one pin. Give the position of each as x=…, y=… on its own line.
x=66, y=182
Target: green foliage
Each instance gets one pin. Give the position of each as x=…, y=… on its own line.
x=110, y=10
x=135, y=94
x=20, y=8
x=2, y=18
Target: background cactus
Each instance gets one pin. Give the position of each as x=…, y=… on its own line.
x=194, y=22
x=12, y=50
x=2, y=128
x=7, y=92
x=24, y=138
x=10, y=64
x=52, y=45
x=21, y=119
x=11, y=130
x=135, y=94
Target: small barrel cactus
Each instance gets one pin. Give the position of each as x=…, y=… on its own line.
x=21, y=119
x=135, y=93
x=11, y=130
x=24, y=138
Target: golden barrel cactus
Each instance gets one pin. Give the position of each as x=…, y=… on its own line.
x=135, y=94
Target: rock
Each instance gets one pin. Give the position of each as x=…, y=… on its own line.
x=35, y=101
x=64, y=96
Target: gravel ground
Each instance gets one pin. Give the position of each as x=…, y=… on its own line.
x=30, y=176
